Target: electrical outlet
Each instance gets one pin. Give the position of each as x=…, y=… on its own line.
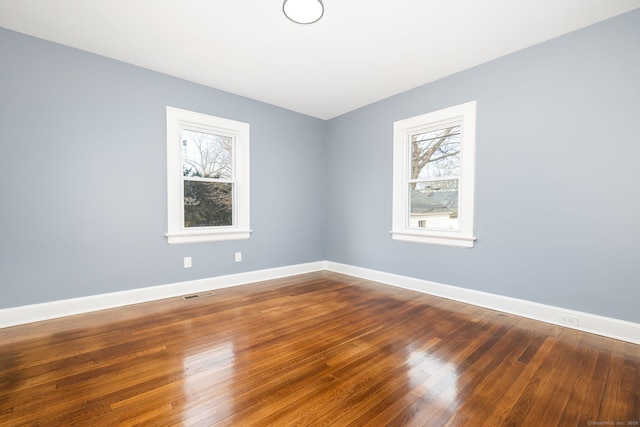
x=238, y=256
x=187, y=262
x=568, y=319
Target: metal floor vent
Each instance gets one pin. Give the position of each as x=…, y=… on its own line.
x=200, y=295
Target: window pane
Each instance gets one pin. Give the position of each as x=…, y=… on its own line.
x=206, y=155
x=208, y=204
x=436, y=154
x=434, y=204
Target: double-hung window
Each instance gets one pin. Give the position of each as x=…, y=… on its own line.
x=433, y=177
x=207, y=177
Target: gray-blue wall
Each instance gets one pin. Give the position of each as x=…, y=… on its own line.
x=557, y=176
x=83, y=177
x=83, y=186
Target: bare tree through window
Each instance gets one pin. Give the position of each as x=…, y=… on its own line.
x=433, y=186
x=207, y=161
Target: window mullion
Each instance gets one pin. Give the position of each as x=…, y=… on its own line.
x=440, y=178
x=203, y=179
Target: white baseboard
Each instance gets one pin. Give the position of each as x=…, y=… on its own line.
x=587, y=322
x=54, y=309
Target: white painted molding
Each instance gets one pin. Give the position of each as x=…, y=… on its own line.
x=54, y=309
x=592, y=323
x=605, y=326
x=463, y=115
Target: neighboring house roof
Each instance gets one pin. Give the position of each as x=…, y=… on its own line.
x=423, y=204
x=446, y=198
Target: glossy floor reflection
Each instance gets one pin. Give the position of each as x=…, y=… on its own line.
x=316, y=349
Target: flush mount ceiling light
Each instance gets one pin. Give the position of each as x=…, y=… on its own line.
x=303, y=11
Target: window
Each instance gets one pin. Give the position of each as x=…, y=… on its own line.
x=207, y=177
x=433, y=177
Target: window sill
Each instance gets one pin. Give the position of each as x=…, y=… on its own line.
x=457, y=240
x=207, y=236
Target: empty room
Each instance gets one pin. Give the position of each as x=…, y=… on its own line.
x=306, y=212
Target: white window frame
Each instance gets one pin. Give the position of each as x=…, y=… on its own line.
x=177, y=120
x=465, y=114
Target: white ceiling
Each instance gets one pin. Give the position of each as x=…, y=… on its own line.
x=360, y=52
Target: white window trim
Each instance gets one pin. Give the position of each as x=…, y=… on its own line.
x=402, y=130
x=177, y=233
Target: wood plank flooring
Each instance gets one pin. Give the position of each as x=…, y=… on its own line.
x=315, y=349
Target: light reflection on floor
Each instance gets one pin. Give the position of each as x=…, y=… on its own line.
x=208, y=383
x=432, y=378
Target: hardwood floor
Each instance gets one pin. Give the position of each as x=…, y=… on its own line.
x=315, y=349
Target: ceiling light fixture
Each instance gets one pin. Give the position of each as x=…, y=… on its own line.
x=303, y=11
